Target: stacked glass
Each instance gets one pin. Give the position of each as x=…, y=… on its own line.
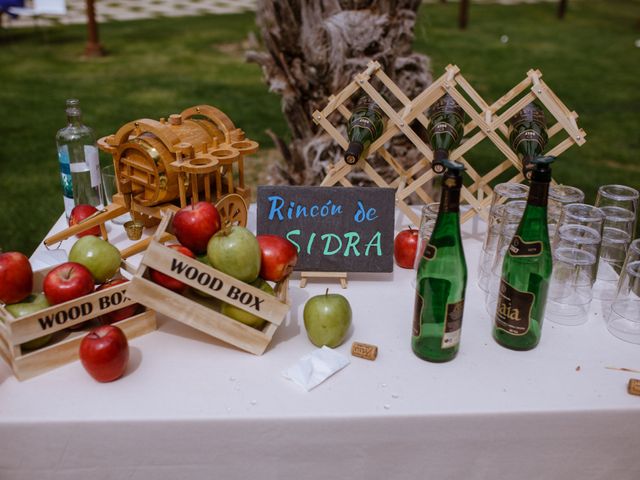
x=559, y=196
x=509, y=220
x=502, y=194
x=619, y=204
x=576, y=249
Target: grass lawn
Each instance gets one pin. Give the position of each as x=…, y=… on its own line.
x=161, y=66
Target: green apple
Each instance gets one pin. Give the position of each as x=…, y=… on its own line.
x=246, y=317
x=236, y=252
x=32, y=304
x=327, y=319
x=100, y=257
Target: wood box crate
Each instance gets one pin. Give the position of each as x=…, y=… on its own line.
x=222, y=287
x=64, y=345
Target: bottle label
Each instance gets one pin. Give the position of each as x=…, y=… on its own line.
x=530, y=113
x=362, y=122
x=529, y=135
x=513, y=314
x=65, y=172
x=452, y=324
x=520, y=248
x=430, y=252
x=444, y=128
x=93, y=161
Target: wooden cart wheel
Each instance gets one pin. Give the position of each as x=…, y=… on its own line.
x=233, y=210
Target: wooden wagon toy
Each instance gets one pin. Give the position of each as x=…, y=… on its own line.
x=167, y=164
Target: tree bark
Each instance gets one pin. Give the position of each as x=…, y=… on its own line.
x=313, y=50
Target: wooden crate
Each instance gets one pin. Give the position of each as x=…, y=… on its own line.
x=486, y=121
x=210, y=281
x=55, y=320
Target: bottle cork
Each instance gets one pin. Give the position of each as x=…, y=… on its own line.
x=364, y=350
x=634, y=386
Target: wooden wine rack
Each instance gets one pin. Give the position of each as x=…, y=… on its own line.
x=485, y=121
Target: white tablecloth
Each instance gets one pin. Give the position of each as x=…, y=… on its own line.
x=191, y=407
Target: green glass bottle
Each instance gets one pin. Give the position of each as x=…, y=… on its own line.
x=526, y=269
x=365, y=126
x=445, y=130
x=441, y=278
x=528, y=135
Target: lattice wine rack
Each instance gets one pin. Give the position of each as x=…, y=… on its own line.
x=485, y=121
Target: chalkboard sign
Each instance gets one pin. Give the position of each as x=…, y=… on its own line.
x=335, y=229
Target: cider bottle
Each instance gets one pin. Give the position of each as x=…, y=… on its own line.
x=365, y=126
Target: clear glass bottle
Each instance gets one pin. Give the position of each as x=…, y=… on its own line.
x=79, y=162
x=526, y=269
x=441, y=278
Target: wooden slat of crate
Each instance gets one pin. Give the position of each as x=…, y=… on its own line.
x=88, y=307
x=53, y=356
x=174, y=305
x=161, y=258
x=200, y=317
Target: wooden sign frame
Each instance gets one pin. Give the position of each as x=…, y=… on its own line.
x=485, y=121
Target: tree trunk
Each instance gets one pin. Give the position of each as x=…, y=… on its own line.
x=313, y=50
x=463, y=14
x=562, y=8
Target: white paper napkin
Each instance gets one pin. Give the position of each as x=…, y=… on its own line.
x=314, y=368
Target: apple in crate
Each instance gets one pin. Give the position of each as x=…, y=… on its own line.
x=99, y=256
x=327, y=319
x=32, y=304
x=279, y=257
x=235, y=251
x=246, y=317
x=405, y=247
x=16, y=277
x=122, y=313
x=67, y=281
x=195, y=224
x=104, y=353
x=165, y=280
x=79, y=213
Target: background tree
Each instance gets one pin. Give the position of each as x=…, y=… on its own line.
x=313, y=49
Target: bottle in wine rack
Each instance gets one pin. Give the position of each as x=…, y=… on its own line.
x=528, y=135
x=441, y=278
x=365, y=126
x=526, y=269
x=445, y=130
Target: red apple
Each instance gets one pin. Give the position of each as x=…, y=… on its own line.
x=66, y=282
x=167, y=281
x=405, y=247
x=195, y=224
x=122, y=313
x=279, y=257
x=79, y=213
x=104, y=353
x=16, y=277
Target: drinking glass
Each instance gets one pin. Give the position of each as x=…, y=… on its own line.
x=620, y=196
x=620, y=218
x=613, y=251
x=579, y=215
x=570, y=287
x=624, y=317
x=110, y=189
x=559, y=196
x=580, y=237
x=503, y=192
